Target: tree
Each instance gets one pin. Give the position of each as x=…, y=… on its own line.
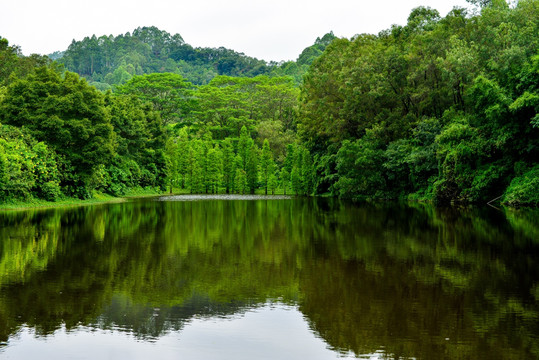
x=183, y=156
x=229, y=165
x=480, y=3
x=307, y=172
x=295, y=180
x=245, y=145
x=27, y=168
x=67, y=114
x=15, y=65
x=196, y=171
x=240, y=177
x=172, y=170
x=169, y=94
x=285, y=178
x=16, y=176
x=252, y=169
x=273, y=183
x=214, y=169
x=267, y=166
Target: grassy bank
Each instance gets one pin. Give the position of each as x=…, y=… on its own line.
x=97, y=198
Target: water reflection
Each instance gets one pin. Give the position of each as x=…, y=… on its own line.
x=400, y=281
x=202, y=338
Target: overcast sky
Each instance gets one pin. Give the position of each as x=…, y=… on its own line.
x=269, y=30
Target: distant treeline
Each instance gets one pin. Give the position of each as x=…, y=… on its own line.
x=111, y=60
x=442, y=109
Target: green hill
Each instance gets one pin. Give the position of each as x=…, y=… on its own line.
x=112, y=60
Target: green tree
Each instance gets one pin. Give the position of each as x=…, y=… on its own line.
x=252, y=168
x=285, y=179
x=214, y=169
x=245, y=144
x=267, y=166
x=307, y=172
x=196, y=167
x=170, y=94
x=240, y=181
x=172, y=163
x=229, y=165
x=273, y=183
x=183, y=156
x=67, y=114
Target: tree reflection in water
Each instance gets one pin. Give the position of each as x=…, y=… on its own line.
x=415, y=281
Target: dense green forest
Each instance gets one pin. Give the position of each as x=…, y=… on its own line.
x=111, y=60
x=443, y=109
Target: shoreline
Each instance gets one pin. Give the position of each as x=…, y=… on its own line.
x=98, y=199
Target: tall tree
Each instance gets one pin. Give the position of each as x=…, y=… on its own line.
x=183, y=156
x=229, y=165
x=252, y=168
x=267, y=166
x=170, y=94
x=69, y=115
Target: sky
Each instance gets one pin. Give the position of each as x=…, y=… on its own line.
x=275, y=30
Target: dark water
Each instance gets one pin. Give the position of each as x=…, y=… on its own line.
x=275, y=279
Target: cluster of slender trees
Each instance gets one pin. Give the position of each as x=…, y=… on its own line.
x=237, y=165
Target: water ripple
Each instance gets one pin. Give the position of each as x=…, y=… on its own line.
x=221, y=197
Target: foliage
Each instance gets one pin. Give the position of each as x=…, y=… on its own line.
x=440, y=108
x=169, y=94
x=524, y=189
x=443, y=109
x=114, y=60
x=27, y=168
x=67, y=114
x=87, y=140
x=14, y=65
x=227, y=104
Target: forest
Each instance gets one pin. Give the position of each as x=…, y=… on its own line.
x=442, y=109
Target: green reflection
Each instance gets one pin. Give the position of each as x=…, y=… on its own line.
x=415, y=281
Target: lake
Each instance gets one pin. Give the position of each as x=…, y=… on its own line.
x=220, y=277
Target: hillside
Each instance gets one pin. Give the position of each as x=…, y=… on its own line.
x=112, y=60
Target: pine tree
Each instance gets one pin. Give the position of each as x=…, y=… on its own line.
x=273, y=183
x=183, y=157
x=244, y=145
x=240, y=181
x=229, y=165
x=252, y=169
x=238, y=188
x=307, y=172
x=197, y=158
x=214, y=169
x=171, y=151
x=285, y=179
x=267, y=165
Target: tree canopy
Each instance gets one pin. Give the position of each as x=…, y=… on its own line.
x=442, y=109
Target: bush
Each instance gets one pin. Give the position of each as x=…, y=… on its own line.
x=50, y=191
x=524, y=189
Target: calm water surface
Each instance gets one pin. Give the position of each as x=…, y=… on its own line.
x=268, y=278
